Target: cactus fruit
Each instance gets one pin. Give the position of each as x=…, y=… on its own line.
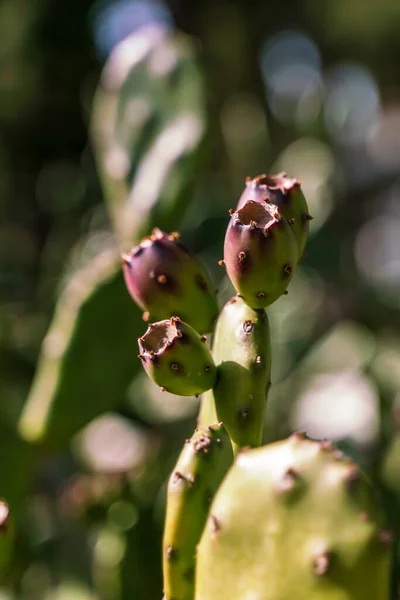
x=203, y=463
x=286, y=194
x=260, y=253
x=242, y=353
x=164, y=279
x=294, y=520
x=176, y=357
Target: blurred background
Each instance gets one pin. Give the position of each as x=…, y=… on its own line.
x=120, y=115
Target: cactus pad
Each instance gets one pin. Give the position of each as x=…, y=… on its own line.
x=286, y=194
x=295, y=520
x=164, y=279
x=203, y=463
x=242, y=353
x=175, y=356
x=260, y=253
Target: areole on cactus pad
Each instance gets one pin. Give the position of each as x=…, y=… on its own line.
x=294, y=520
x=242, y=353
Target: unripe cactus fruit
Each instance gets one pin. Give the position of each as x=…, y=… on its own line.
x=242, y=353
x=260, y=253
x=285, y=192
x=295, y=520
x=203, y=463
x=164, y=279
x=176, y=357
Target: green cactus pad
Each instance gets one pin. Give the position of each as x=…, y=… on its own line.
x=165, y=279
x=242, y=353
x=295, y=520
x=176, y=357
x=260, y=253
x=286, y=194
x=203, y=463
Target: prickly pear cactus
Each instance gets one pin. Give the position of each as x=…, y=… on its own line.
x=284, y=192
x=260, y=253
x=203, y=463
x=176, y=357
x=164, y=279
x=295, y=520
x=242, y=353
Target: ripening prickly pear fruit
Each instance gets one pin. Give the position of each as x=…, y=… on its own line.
x=285, y=192
x=202, y=465
x=164, y=279
x=295, y=520
x=176, y=357
x=242, y=353
x=5, y=537
x=260, y=253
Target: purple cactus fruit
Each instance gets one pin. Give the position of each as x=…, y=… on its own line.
x=260, y=253
x=164, y=279
x=176, y=357
x=285, y=192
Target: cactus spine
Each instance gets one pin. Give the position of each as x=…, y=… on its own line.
x=200, y=469
x=294, y=520
x=242, y=353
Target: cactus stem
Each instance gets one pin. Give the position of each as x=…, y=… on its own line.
x=321, y=563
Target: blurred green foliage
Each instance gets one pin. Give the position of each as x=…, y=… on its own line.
x=303, y=86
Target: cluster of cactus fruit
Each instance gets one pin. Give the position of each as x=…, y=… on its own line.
x=293, y=520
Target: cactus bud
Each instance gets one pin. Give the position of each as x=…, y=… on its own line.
x=286, y=194
x=175, y=357
x=260, y=253
x=164, y=279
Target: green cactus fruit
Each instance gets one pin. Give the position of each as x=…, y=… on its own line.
x=176, y=357
x=285, y=192
x=242, y=353
x=164, y=279
x=295, y=520
x=260, y=253
x=5, y=537
x=202, y=465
